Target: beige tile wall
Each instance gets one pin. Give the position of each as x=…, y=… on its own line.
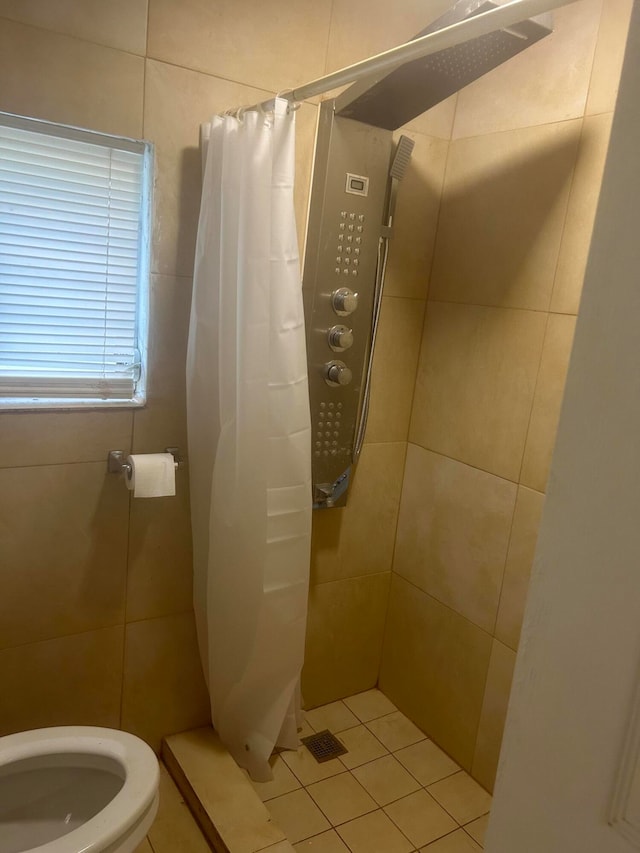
x=521, y=186
x=453, y=533
x=96, y=613
x=344, y=636
x=434, y=665
x=96, y=620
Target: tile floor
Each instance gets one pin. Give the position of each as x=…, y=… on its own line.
x=393, y=792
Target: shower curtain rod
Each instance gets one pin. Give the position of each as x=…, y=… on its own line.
x=486, y=22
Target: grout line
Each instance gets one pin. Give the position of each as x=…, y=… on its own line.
x=144, y=57
x=72, y=36
x=129, y=513
x=382, y=807
x=438, y=804
x=567, y=208
x=518, y=128
x=125, y=632
x=53, y=639
x=470, y=465
x=353, y=578
x=443, y=604
x=161, y=616
x=454, y=819
x=414, y=391
x=398, y=827
x=466, y=304
x=438, y=222
x=533, y=399
x=593, y=59
x=329, y=31
x=504, y=572
x=270, y=93
x=395, y=535
x=481, y=846
x=376, y=806
x=170, y=275
x=406, y=296
x=392, y=753
x=446, y=776
x=455, y=116
x=141, y=56
x=305, y=785
x=434, y=248
x=146, y=34
x=100, y=461
x=144, y=136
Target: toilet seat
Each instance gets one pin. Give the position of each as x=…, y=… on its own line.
x=135, y=803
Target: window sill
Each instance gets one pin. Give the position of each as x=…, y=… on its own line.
x=69, y=404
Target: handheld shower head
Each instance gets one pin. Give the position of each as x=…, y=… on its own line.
x=401, y=157
x=399, y=163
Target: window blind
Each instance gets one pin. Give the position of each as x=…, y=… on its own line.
x=71, y=263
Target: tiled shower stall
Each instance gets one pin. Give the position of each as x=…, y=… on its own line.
x=419, y=583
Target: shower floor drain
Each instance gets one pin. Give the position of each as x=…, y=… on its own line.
x=324, y=746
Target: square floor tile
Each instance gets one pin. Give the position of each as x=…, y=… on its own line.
x=395, y=731
x=478, y=828
x=457, y=842
x=341, y=798
x=427, y=762
x=374, y=833
x=335, y=717
x=362, y=746
x=420, y=818
x=462, y=797
x=305, y=729
x=386, y=780
x=297, y=815
x=327, y=842
x=370, y=705
x=282, y=783
x=307, y=769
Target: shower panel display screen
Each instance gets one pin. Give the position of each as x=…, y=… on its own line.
x=341, y=255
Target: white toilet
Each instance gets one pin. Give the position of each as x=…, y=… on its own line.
x=76, y=789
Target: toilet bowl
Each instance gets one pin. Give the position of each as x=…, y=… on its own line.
x=76, y=789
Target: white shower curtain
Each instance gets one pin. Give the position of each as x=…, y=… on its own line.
x=249, y=436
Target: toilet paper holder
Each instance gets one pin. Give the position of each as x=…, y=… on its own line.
x=117, y=464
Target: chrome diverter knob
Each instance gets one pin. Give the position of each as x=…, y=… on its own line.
x=337, y=373
x=344, y=301
x=340, y=338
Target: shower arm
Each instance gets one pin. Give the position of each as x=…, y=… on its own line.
x=502, y=17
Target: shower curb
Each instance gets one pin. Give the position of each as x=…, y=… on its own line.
x=220, y=796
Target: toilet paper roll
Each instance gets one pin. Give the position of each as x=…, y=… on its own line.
x=153, y=475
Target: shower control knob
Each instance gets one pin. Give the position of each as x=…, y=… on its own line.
x=344, y=301
x=337, y=373
x=340, y=338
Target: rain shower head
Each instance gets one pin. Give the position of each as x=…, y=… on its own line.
x=392, y=99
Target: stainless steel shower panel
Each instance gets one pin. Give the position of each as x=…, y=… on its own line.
x=348, y=191
x=347, y=230
x=393, y=98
